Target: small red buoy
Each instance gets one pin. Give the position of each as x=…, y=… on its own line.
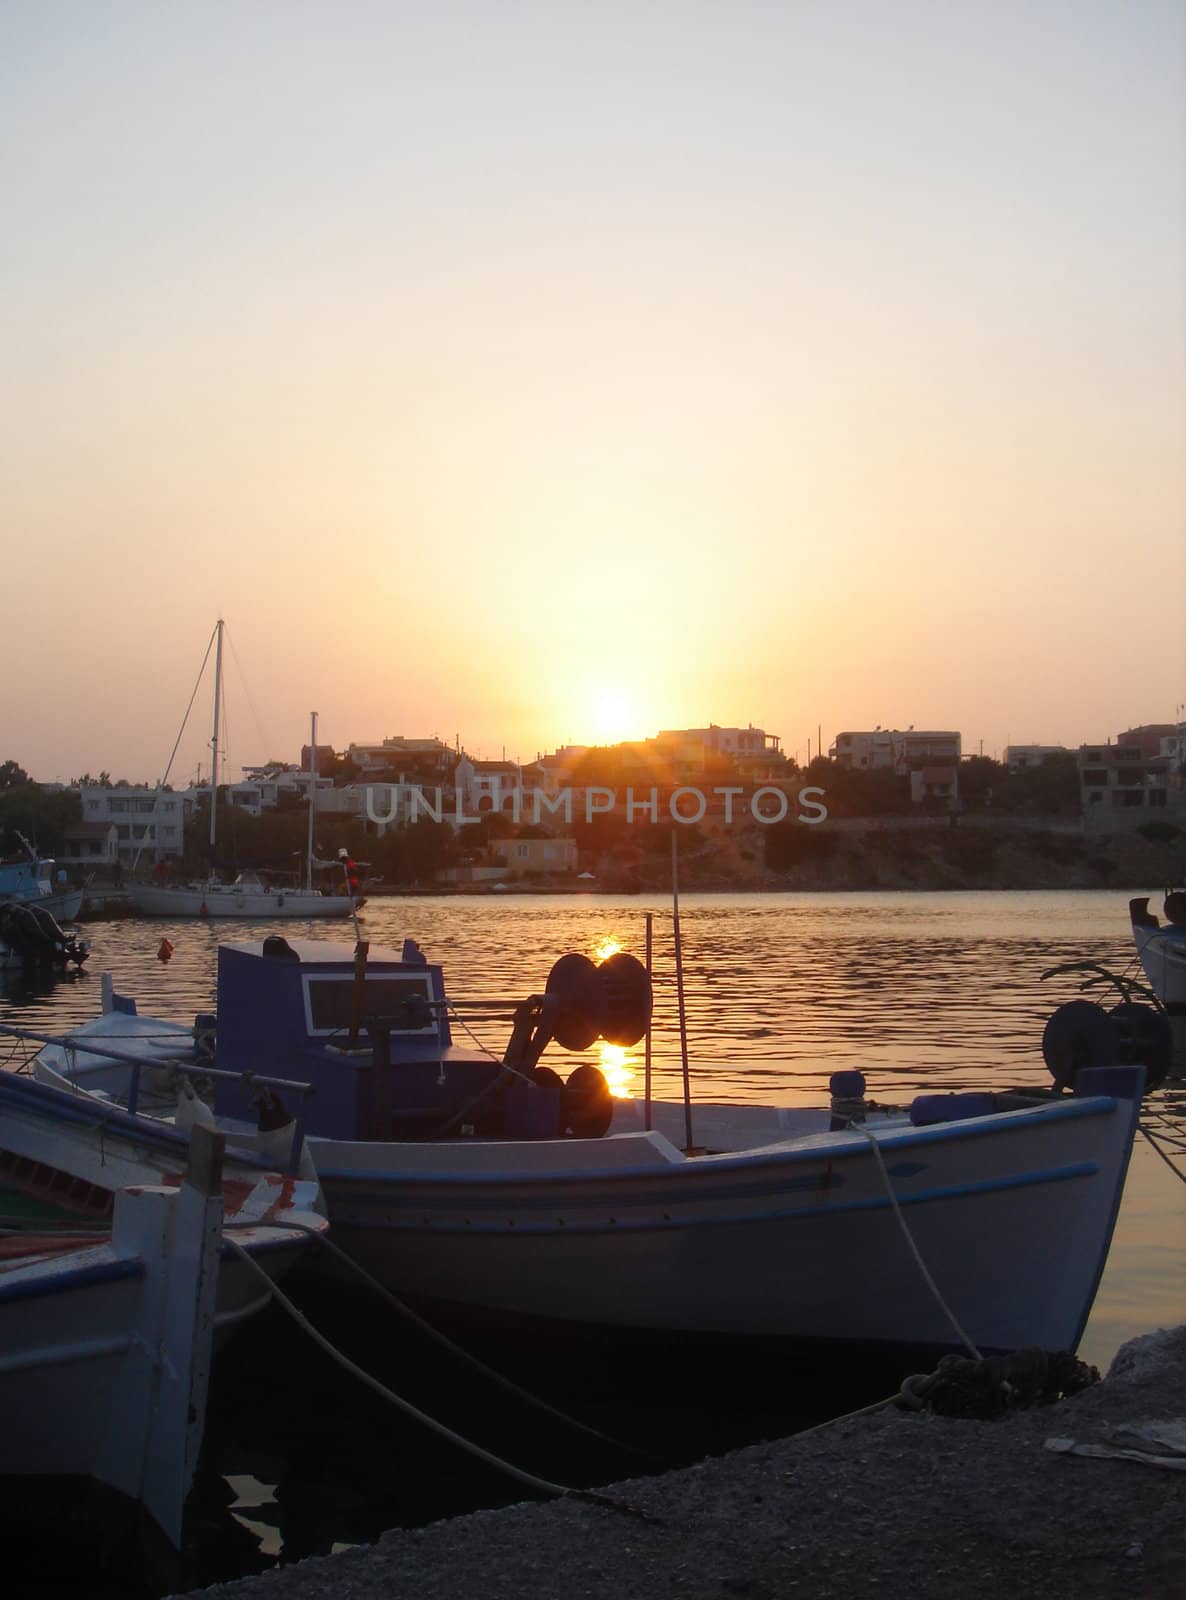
x=165, y=951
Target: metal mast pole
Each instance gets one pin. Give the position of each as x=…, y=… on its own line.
x=214, y=741
x=312, y=792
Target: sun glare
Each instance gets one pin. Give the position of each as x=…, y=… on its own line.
x=613, y=717
x=615, y=1064
x=609, y=946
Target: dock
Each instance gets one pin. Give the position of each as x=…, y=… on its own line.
x=903, y=1505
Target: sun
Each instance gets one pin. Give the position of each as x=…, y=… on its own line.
x=613, y=716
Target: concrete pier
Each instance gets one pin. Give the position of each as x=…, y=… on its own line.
x=895, y=1504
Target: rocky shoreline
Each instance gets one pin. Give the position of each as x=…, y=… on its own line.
x=895, y=1504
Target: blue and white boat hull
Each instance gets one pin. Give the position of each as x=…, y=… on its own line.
x=796, y=1239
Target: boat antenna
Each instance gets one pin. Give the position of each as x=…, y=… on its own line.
x=312, y=792
x=679, y=991
x=647, y=1070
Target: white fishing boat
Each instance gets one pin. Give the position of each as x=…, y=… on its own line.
x=1162, y=951
x=1162, y=948
x=113, y=1296
x=248, y=897
x=493, y=1189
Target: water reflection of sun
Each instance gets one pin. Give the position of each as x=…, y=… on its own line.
x=615, y=1061
x=615, y=1064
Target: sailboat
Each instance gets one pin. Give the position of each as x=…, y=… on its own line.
x=248, y=896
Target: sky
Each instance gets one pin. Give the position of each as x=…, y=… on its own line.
x=536, y=373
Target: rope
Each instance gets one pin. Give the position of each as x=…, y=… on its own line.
x=455, y=1016
x=914, y=1250
x=529, y=1480
x=1156, y=1145
x=426, y=1327
x=180, y=736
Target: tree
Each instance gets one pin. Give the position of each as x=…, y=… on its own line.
x=42, y=818
x=981, y=780
x=12, y=776
x=1048, y=789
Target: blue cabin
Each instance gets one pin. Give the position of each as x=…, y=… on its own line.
x=372, y=1038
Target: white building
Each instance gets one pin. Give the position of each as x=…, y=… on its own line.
x=390, y=754
x=1020, y=756
x=149, y=823
x=1123, y=788
x=896, y=750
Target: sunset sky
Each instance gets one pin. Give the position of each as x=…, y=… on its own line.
x=544, y=372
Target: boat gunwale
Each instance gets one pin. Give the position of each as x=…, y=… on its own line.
x=766, y=1156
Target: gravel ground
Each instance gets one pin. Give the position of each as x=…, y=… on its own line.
x=894, y=1504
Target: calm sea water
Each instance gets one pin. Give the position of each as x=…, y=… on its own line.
x=921, y=991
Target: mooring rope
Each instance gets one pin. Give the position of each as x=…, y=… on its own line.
x=1177, y=1172
x=858, y=1127
x=519, y=1474
x=442, y=1339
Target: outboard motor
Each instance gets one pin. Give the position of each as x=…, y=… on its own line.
x=37, y=938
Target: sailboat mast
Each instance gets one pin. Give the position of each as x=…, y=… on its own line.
x=214, y=741
x=312, y=792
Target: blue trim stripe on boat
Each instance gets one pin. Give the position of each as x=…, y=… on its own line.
x=1083, y=1169
x=55, y=1283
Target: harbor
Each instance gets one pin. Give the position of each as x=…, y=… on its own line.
x=342, y=1469
x=593, y=802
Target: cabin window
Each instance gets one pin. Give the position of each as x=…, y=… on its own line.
x=329, y=1000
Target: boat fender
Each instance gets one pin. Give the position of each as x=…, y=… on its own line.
x=848, y=1098
x=205, y=1038
x=1079, y=1034
x=927, y=1109
x=586, y=1106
